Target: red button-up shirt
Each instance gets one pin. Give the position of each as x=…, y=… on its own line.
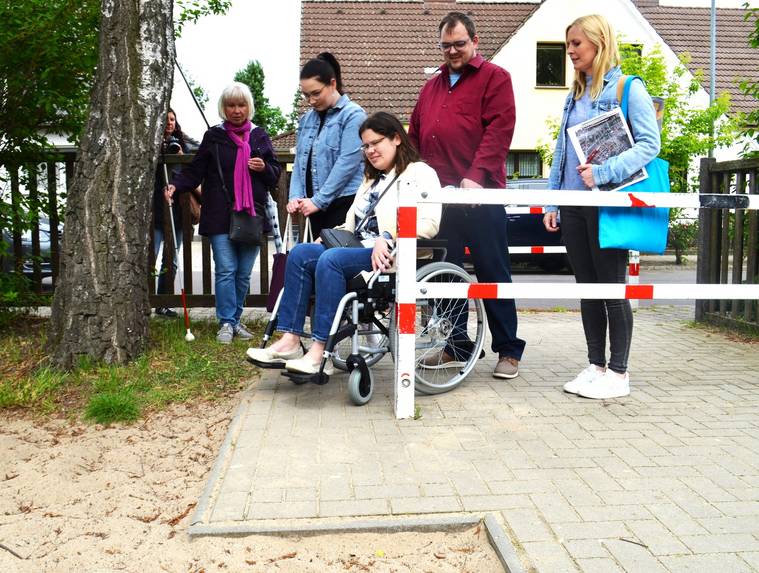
x=465, y=131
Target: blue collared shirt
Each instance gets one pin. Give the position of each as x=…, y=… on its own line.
x=336, y=161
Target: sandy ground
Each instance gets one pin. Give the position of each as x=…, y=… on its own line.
x=77, y=497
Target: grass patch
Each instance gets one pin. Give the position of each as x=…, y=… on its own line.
x=119, y=406
x=170, y=371
x=734, y=330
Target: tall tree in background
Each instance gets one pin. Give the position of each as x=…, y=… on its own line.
x=48, y=53
x=266, y=115
x=100, y=308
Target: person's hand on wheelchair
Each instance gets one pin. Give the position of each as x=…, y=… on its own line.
x=382, y=260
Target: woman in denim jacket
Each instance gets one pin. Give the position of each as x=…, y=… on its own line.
x=592, y=47
x=328, y=168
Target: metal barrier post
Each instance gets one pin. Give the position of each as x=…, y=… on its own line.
x=405, y=302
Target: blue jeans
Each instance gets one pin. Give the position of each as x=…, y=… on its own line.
x=313, y=269
x=162, y=287
x=233, y=264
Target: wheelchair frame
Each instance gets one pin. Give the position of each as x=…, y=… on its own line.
x=360, y=306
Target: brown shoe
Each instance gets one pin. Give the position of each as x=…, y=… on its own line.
x=440, y=360
x=507, y=367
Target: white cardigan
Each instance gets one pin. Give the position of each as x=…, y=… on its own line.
x=417, y=175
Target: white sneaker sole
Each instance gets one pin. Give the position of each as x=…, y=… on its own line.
x=600, y=396
x=505, y=376
x=300, y=366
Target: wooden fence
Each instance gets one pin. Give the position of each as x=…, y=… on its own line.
x=54, y=172
x=728, y=241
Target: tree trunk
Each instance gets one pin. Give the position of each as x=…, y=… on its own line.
x=101, y=307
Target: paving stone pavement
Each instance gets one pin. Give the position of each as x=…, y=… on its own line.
x=666, y=479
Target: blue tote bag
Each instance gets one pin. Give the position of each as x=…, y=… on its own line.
x=637, y=228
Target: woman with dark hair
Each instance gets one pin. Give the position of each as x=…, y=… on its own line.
x=327, y=168
x=174, y=142
x=235, y=163
x=390, y=160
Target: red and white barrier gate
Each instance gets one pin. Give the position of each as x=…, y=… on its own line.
x=408, y=290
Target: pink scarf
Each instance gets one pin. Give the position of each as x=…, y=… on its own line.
x=240, y=136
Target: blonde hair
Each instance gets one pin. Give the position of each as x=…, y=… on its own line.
x=601, y=34
x=236, y=91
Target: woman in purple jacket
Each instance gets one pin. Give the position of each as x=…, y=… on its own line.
x=243, y=155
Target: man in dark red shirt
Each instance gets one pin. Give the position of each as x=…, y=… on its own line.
x=462, y=126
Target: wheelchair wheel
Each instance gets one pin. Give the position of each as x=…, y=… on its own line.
x=360, y=387
x=454, y=325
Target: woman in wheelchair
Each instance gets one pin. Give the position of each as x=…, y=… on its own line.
x=390, y=163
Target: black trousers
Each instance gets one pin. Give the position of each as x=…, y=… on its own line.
x=482, y=228
x=592, y=264
x=333, y=216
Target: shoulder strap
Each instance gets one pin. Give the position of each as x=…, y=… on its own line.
x=221, y=178
x=371, y=208
x=621, y=82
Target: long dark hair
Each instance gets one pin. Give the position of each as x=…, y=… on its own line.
x=325, y=68
x=388, y=125
x=178, y=133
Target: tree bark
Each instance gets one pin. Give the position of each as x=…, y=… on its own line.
x=101, y=308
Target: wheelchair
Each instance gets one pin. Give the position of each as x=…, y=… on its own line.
x=363, y=331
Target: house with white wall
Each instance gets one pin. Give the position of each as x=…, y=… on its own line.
x=389, y=49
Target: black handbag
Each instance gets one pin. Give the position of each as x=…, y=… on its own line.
x=243, y=227
x=332, y=238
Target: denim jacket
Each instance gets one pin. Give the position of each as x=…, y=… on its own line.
x=645, y=132
x=336, y=164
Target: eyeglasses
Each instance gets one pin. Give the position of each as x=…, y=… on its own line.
x=312, y=95
x=458, y=44
x=372, y=144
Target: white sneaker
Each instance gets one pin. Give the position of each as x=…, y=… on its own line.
x=609, y=385
x=584, y=378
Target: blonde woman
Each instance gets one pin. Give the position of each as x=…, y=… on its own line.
x=592, y=47
x=242, y=153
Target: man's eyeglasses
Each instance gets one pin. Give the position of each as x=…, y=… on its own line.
x=312, y=95
x=371, y=145
x=458, y=44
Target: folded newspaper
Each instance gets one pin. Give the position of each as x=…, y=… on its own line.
x=601, y=137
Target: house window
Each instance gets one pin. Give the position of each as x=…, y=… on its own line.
x=523, y=164
x=549, y=69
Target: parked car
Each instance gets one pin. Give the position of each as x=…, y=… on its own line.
x=7, y=260
x=527, y=230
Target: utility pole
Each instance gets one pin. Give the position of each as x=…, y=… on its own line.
x=713, y=63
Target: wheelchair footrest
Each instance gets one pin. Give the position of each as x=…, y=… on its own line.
x=319, y=378
x=268, y=365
